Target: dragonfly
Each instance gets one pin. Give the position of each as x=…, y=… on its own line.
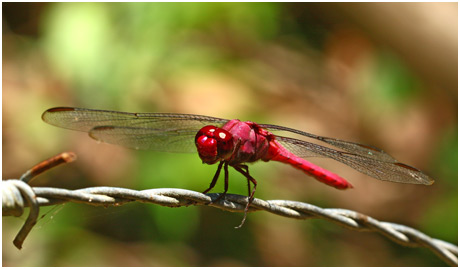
x=233, y=143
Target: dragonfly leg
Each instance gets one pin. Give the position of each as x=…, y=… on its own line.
x=222, y=195
x=245, y=167
x=214, y=179
x=226, y=178
x=241, y=168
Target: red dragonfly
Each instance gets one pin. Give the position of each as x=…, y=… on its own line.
x=232, y=143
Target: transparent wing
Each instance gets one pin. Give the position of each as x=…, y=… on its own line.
x=366, y=159
x=356, y=148
x=168, y=132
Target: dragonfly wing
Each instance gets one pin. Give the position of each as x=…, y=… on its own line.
x=82, y=119
x=146, y=139
x=391, y=170
x=167, y=132
x=356, y=148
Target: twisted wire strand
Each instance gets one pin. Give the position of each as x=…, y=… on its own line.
x=14, y=192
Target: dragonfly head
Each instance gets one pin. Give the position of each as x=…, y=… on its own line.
x=214, y=144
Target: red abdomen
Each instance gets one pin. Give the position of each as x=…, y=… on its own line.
x=277, y=152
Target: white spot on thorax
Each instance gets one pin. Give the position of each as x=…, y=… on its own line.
x=222, y=135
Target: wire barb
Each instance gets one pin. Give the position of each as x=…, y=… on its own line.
x=111, y=196
x=64, y=157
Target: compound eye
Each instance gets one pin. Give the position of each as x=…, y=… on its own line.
x=206, y=144
x=224, y=142
x=214, y=144
x=206, y=131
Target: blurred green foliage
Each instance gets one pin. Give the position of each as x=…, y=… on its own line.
x=394, y=81
x=446, y=158
x=445, y=165
x=108, y=47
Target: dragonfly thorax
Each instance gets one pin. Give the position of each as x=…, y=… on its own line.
x=214, y=144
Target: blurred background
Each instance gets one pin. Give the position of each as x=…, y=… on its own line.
x=383, y=74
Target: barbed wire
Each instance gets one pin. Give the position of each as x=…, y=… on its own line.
x=17, y=194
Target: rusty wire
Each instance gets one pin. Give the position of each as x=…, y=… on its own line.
x=16, y=194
